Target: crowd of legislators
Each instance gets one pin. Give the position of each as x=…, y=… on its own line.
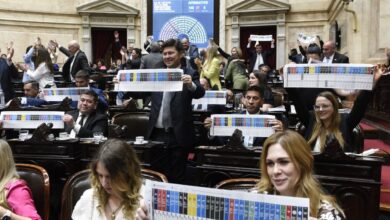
x=170, y=119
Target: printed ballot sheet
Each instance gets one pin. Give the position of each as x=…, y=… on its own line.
x=150, y=80
x=211, y=97
x=31, y=119
x=250, y=125
x=173, y=201
x=58, y=94
x=335, y=76
x=260, y=37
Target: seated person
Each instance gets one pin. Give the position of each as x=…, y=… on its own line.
x=15, y=197
x=82, y=80
x=326, y=119
x=286, y=166
x=116, y=185
x=31, y=92
x=259, y=78
x=86, y=120
x=253, y=103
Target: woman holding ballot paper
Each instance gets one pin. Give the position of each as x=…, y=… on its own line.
x=286, y=166
x=210, y=69
x=326, y=119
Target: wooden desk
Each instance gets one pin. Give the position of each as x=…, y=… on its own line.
x=355, y=181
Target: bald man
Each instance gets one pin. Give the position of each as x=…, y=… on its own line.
x=77, y=60
x=331, y=55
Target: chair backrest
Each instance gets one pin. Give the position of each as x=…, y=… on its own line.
x=73, y=190
x=79, y=182
x=153, y=175
x=358, y=139
x=240, y=184
x=137, y=123
x=37, y=180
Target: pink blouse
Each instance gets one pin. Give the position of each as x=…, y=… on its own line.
x=20, y=200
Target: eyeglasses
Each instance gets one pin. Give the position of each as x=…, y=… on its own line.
x=321, y=107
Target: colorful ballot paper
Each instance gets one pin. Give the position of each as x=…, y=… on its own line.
x=211, y=97
x=31, y=119
x=150, y=80
x=260, y=37
x=323, y=75
x=173, y=201
x=250, y=125
x=58, y=94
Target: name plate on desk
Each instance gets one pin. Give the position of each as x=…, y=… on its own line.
x=150, y=80
x=58, y=94
x=173, y=201
x=210, y=98
x=323, y=75
x=250, y=125
x=31, y=119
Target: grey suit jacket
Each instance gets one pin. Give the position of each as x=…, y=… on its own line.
x=154, y=60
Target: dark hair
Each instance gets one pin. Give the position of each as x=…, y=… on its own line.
x=154, y=47
x=314, y=49
x=34, y=84
x=83, y=74
x=101, y=61
x=173, y=43
x=43, y=56
x=91, y=93
x=262, y=77
x=138, y=51
x=258, y=89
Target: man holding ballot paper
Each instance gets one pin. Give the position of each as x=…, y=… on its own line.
x=171, y=90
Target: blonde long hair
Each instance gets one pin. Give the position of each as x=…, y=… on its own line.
x=7, y=171
x=211, y=53
x=320, y=130
x=300, y=154
x=124, y=168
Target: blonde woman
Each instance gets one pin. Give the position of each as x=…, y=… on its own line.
x=116, y=184
x=287, y=169
x=210, y=68
x=16, y=201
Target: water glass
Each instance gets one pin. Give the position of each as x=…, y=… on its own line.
x=97, y=136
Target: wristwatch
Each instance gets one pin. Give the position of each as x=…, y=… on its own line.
x=7, y=215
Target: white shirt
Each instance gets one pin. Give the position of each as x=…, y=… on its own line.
x=42, y=75
x=77, y=126
x=328, y=60
x=87, y=208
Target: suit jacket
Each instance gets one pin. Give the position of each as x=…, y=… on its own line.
x=253, y=57
x=6, y=73
x=340, y=58
x=181, y=111
x=80, y=63
x=95, y=122
x=193, y=53
x=154, y=60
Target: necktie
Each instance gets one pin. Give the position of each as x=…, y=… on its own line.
x=81, y=123
x=166, y=120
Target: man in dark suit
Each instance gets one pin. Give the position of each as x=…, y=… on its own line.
x=253, y=101
x=31, y=91
x=86, y=120
x=154, y=60
x=258, y=56
x=331, y=55
x=82, y=80
x=77, y=60
x=7, y=72
x=171, y=115
x=191, y=52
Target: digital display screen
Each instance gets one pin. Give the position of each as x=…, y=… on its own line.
x=184, y=18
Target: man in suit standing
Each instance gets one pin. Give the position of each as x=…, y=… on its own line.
x=77, y=60
x=154, y=60
x=7, y=72
x=191, y=52
x=331, y=55
x=171, y=115
x=84, y=121
x=258, y=56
